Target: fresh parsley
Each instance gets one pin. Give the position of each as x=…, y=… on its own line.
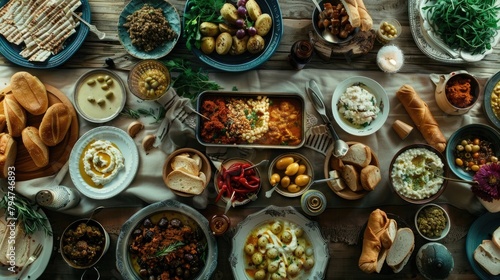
x=199, y=11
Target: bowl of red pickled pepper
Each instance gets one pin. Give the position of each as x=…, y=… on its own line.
x=233, y=178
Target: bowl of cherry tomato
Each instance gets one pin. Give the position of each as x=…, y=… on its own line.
x=470, y=147
x=237, y=181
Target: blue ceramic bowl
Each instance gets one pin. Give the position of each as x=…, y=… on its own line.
x=170, y=14
x=488, y=90
x=70, y=46
x=247, y=61
x=481, y=131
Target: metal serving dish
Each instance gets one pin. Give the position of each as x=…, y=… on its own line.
x=266, y=141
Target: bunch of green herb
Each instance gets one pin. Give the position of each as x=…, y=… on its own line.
x=468, y=25
x=26, y=213
x=157, y=114
x=199, y=11
x=189, y=82
x=169, y=249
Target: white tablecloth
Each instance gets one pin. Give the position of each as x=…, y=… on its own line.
x=148, y=186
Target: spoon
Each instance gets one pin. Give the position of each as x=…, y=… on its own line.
x=101, y=35
x=270, y=192
x=314, y=93
x=265, y=161
x=325, y=33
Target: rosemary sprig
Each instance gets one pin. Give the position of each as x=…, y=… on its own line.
x=157, y=114
x=169, y=249
x=26, y=213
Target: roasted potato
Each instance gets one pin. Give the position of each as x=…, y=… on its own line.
x=239, y=46
x=223, y=27
x=207, y=45
x=209, y=29
x=223, y=43
x=263, y=24
x=229, y=13
x=253, y=9
x=255, y=44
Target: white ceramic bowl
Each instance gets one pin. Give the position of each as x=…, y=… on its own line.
x=446, y=229
x=381, y=101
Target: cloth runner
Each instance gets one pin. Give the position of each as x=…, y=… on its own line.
x=148, y=186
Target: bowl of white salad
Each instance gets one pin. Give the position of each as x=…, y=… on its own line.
x=360, y=105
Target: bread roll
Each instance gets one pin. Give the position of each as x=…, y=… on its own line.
x=376, y=226
x=351, y=177
x=38, y=151
x=3, y=122
x=30, y=92
x=370, y=177
x=365, y=18
x=351, y=7
x=15, y=116
x=422, y=117
x=8, y=153
x=55, y=124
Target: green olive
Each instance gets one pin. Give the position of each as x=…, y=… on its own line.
x=275, y=178
x=285, y=182
x=292, y=169
x=302, y=180
x=293, y=188
x=284, y=162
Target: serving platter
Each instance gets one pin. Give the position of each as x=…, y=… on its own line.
x=481, y=229
x=488, y=90
x=71, y=45
x=122, y=246
x=36, y=269
x=129, y=151
x=59, y=154
x=170, y=13
x=272, y=213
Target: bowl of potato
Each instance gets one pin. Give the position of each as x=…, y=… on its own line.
x=234, y=37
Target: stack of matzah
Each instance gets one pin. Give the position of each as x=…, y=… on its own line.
x=42, y=25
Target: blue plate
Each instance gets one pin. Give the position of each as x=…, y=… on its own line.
x=71, y=45
x=488, y=89
x=481, y=229
x=247, y=61
x=484, y=132
x=170, y=14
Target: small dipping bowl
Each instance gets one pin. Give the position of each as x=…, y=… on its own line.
x=296, y=184
x=68, y=243
x=99, y=96
x=149, y=79
x=444, y=91
x=425, y=220
x=388, y=30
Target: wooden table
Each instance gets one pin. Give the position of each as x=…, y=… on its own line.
x=297, y=24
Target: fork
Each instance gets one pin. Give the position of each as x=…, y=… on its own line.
x=31, y=259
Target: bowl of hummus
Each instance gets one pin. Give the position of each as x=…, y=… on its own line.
x=416, y=173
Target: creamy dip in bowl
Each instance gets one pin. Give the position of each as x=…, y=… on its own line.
x=416, y=173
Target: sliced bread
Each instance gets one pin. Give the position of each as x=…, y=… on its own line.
x=399, y=267
x=351, y=177
x=358, y=155
x=387, y=238
x=370, y=177
x=381, y=260
x=402, y=246
x=487, y=255
x=185, y=164
x=181, y=181
x=496, y=237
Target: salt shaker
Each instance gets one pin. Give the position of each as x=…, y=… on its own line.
x=58, y=198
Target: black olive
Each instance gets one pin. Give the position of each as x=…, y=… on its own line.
x=147, y=223
x=176, y=223
x=194, y=270
x=136, y=232
x=149, y=236
x=179, y=271
x=163, y=223
x=143, y=272
x=188, y=257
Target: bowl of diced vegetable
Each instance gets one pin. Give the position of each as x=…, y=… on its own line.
x=233, y=37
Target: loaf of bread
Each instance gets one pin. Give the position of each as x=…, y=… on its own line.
x=38, y=151
x=8, y=153
x=55, y=124
x=422, y=117
x=351, y=7
x=30, y=92
x=365, y=18
x=372, y=245
x=15, y=116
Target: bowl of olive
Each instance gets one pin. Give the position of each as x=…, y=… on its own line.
x=432, y=222
x=293, y=174
x=149, y=79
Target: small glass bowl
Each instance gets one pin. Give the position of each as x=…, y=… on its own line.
x=384, y=33
x=149, y=79
x=446, y=229
x=250, y=195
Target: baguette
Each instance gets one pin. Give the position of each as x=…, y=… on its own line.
x=55, y=124
x=422, y=117
x=366, y=19
x=38, y=151
x=15, y=116
x=30, y=92
x=376, y=226
x=351, y=7
x=8, y=153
